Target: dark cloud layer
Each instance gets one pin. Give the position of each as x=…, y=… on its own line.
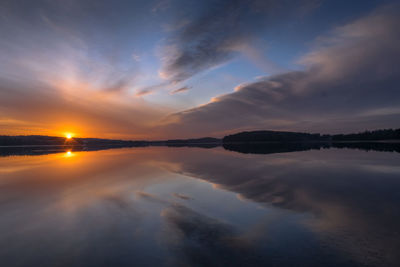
x=215, y=31
x=351, y=83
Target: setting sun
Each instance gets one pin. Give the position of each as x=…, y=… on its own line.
x=68, y=135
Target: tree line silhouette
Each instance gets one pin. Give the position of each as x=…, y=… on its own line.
x=279, y=136
x=242, y=137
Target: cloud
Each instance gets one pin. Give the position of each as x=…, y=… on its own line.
x=43, y=108
x=181, y=196
x=351, y=72
x=160, y=5
x=218, y=30
x=144, y=92
x=180, y=90
x=150, y=197
x=67, y=66
x=136, y=57
x=151, y=89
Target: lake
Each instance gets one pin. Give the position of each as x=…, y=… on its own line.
x=168, y=206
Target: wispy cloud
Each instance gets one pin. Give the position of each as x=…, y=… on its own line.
x=68, y=67
x=180, y=90
x=181, y=196
x=144, y=92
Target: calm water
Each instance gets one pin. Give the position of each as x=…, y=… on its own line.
x=200, y=207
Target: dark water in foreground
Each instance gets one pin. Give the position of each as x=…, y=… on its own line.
x=160, y=206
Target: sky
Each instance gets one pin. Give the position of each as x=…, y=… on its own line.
x=185, y=68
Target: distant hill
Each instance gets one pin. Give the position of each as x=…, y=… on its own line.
x=273, y=136
x=385, y=134
x=206, y=142
x=31, y=140
x=278, y=136
x=199, y=142
x=38, y=140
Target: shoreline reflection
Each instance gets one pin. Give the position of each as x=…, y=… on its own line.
x=246, y=148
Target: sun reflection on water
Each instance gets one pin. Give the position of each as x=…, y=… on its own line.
x=68, y=154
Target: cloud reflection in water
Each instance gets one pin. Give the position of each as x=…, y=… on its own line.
x=150, y=205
